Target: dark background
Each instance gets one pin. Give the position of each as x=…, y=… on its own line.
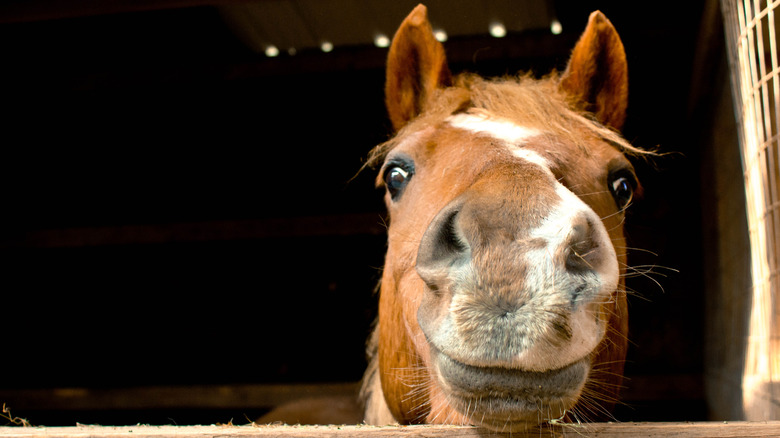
x=161, y=118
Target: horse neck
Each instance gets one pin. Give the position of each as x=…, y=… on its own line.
x=403, y=376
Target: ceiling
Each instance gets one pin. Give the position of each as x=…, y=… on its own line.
x=294, y=25
x=301, y=26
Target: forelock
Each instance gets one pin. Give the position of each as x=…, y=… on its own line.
x=529, y=102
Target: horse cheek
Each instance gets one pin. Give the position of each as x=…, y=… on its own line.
x=402, y=368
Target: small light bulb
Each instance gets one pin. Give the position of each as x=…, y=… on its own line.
x=271, y=51
x=440, y=35
x=381, y=41
x=497, y=30
x=555, y=27
x=326, y=46
x=292, y=51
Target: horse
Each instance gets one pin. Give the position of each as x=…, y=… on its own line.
x=502, y=301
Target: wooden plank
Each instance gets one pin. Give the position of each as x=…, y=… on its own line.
x=22, y=11
x=638, y=389
x=333, y=225
x=171, y=397
x=601, y=430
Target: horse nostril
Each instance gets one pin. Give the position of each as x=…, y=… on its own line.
x=449, y=239
x=441, y=247
x=580, y=246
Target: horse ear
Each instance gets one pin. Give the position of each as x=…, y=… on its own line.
x=416, y=67
x=597, y=74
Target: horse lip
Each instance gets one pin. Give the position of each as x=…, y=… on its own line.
x=509, y=392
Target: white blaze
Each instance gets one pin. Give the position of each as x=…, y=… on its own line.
x=587, y=330
x=514, y=136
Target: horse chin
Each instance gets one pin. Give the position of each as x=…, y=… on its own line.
x=510, y=399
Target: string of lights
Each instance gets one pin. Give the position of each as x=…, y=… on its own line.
x=495, y=29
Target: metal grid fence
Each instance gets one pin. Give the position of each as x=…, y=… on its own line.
x=751, y=40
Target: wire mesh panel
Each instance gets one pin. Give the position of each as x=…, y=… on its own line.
x=751, y=35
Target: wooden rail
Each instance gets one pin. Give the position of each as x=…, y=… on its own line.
x=171, y=397
x=601, y=430
x=334, y=225
x=638, y=389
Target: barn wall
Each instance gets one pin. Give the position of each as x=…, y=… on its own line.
x=726, y=257
x=160, y=233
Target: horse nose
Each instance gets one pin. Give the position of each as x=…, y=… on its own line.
x=579, y=246
x=442, y=246
x=463, y=229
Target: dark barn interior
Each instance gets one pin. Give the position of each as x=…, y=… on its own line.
x=182, y=212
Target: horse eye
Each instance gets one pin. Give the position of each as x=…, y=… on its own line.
x=622, y=191
x=396, y=178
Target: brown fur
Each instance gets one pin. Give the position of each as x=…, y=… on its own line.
x=597, y=74
x=424, y=64
x=577, y=112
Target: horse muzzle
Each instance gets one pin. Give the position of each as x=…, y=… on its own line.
x=505, y=399
x=515, y=303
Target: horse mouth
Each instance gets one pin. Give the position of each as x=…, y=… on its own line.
x=507, y=399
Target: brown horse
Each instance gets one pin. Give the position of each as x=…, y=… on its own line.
x=502, y=300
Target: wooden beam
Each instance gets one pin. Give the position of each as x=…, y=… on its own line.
x=602, y=430
x=639, y=389
x=334, y=225
x=469, y=51
x=16, y=11
x=171, y=397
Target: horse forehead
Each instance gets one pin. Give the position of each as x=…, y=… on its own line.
x=513, y=137
x=499, y=128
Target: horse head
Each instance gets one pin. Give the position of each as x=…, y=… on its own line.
x=502, y=301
